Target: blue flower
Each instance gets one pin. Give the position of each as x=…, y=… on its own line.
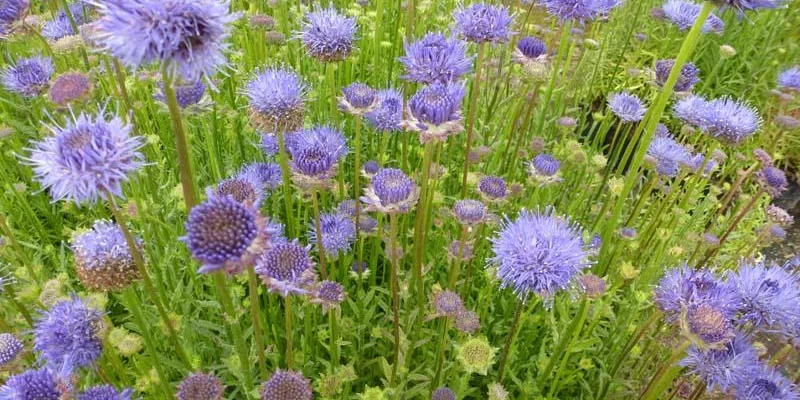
x=435, y=111
x=189, y=35
x=579, y=10
x=105, y=392
x=683, y=13
x=269, y=144
x=470, y=212
x=200, y=386
x=277, y=99
x=246, y=188
x=10, y=347
x=388, y=112
x=28, y=76
x=531, y=47
x=492, y=188
x=766, y=384
x=358, y=98
x=187, y=94
x=722, y=368
x=86, y=158
x=483, y=22
x=727, y=120
x=436, y=59
x=287, y=385
x=327, y=35
x=32, y=385
x=12, y=11
x=544, y=169
x=326, y=137
x=103, y=260
x=390, y=191
x=686, y=79
x=746, y=5
x=269, y=174
x=70, y=87
x=790, y=79
x=68, y=335
x=773, y=180
x=286, y=269
x=684, y=286
x=443, y=393
x=767, y=296
x=60, y=26
x=538, y=253
x=338, y=234
x=329, y=294
x=667, y=155
x=626, y=107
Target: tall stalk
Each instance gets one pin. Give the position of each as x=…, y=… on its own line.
x=318, y=228
x=420, y=225
x=287, y=314
x=395, y=297
x=357, y=178
x=510, y=340
x=181, y=141
x=255, y=317
x=283, y=160
x=474, y=94
x=231, y=320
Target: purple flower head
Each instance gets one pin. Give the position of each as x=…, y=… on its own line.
x=246, y=188
x=435, y=111
x=105, y=392
x=287, y=385
x=698, y=161
x=347, y=207
x=592, y=285
x=390, y=191
x=684, y=286
x=269, y=144
x=470, y=212
x=447, y=303
x=492, y=188
x=691, y=109
x=189, y=35
x=483, y=22
x=69, y=87
x=767, y=296
x=667, y=155
x=313, y=165
x=579, y=10
x=627, y=232
x=200, y=386
x=458, y=249
x=662, y=131
x=786, y=122
x=86, y=158
x=443, y=393
x=766, y=384
x=388, y=112
x=68, y=335
x=10, y=347
x=724, y=119
x=686, y=80
x=762, y=156
x=338, y=234
x=12, y=11
x=746, y=5
x=61, y=26
x=773, y=180
x=626, y=107
x=367, y=225
x=707, y=325
x=328, y=35
x=711, y=239
x=321, y=136
x=277, y=100
x=683, y=13
x=722, y=368
x=370, y=168
x=779, y=215
x=28, y=76
x=359, y=268
x=187, y=94
x=268, y=174
x=467, y=321
x=777, y=233
x=436, y=59
x=329, y=294
x=32, y=385
x=358, y=98
x=103, y=260
x=538, y=253
x=532, y=47
x=285, y=268
x=790, y=79
x=544, y=169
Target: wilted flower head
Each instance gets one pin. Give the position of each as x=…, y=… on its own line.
x=767, y=296
x=328, y=35
x=779, y=215
x=10, y=346
x=722, y=368
x=497, y=392
x=592, y=285
x=766, y=384
x=338, y=233
x=277, y=99
x=390, y=191
x=200, y=386
x=329, y=294
x=68, y=335
x=105, y=392
x=86, y=158
x=285, y=268
x=686, y=79
x=443, y=393
x=467, y=321
x=69, y=87
x=189, y=35
x=538, y=253
x=435, y=111
x=790, y=79
x=103, y=260
x=187, y=93
x=470, y=212
x=626, y=107
x=32, y=384
x=287, y=385
x=388, y=112
x=667, y=156
x=436, y=59
x=483, y=22
x=762, y=156
x=358, y=98
x=476, y=355
x=28, y=76
x=683, y=14
x=447, y=303
x=773, y=180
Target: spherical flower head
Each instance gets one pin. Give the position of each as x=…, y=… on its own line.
x=691, y=109
x=443, y=393
x=328, y=293
x=667, y=156
x=531, y=54
x=435, y=59
x=686, y=80
x=627, y=232
x=347, y=207
x=284, y=268
x=277, y=100
x=68, y=335
x=313, y=166
x=790, y=79
x=287, y=385
x=447, y=303
x=87, y=157
x=684, y=286
x=626, y=107
x=467, y=321
x=328, y=35
x=773, y=180
x=767, y=384
x=776, y=232
x=683, y=13
x=388, y=112
x=105, y=392
x=476, y=355
x=460, y=250
x=338, y=232
x=28, y=76
x=578, y=10
x=370, y=168
x=269, y=144
x=707, y=325
x=32, y=385
x=722, y=368
x=470, y=212
x=187, y=93
x=592, y=285
x=762, y=156
x=268, y=174
x=103, y=260
x=745, y=5
x=544, y=169
x=60, y=26
x=10, y=347
x=730, y=121
x=220, y=231
x=767, y=296
x=779, y=215
x=390, y=191
x=189, y=35
x=70, y=87
x=358, y=98
x=538, y=253
x=531, y=47
x=328, y=138
x=200, y=386
x=492, y=188
x=483, y=22
x=367, y=225
x=12, y=11
x=435, y=111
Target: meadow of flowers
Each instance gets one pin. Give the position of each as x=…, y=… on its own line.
x=398, y=199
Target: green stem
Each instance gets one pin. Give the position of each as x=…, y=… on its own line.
x=357, y=178
x=443, y=323
x=510, y=340
x=626, y=351
x=419, y=224
x=255, y=316
x=395, y=297
x=145, y=330
x=410, y=11
x=319, y=243
x=283, y=159
x=474, y=94
x=74, y=25
x=454, y=268
x=22, y=256
x=181, y=141
x=332, y=320
x=287, y=312
x=732, y=227
x=643, y=196
x=573, y=332
x=119, y=75
x=12, y=297
x=665, y=374
x=231, y=320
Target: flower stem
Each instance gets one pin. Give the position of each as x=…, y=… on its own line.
x=410, y=11
x=287, y=313
x=74, y=25
x=626, y=351
x=454, y=268
x=255, y=316
x=419, y=224
x=181, y=141
x=318, y=228
x=474, y=93
x=119, y=74
x=283, y=160
x=133, y=305
x=12, y=296
x=562, y=352
x=333, y=325
x=236, y=329
x=510, y=340
x=357, y=178
x=440, y=352
x=665, y=374
x=739, y=217
x=395, y=297
x=22, y=256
